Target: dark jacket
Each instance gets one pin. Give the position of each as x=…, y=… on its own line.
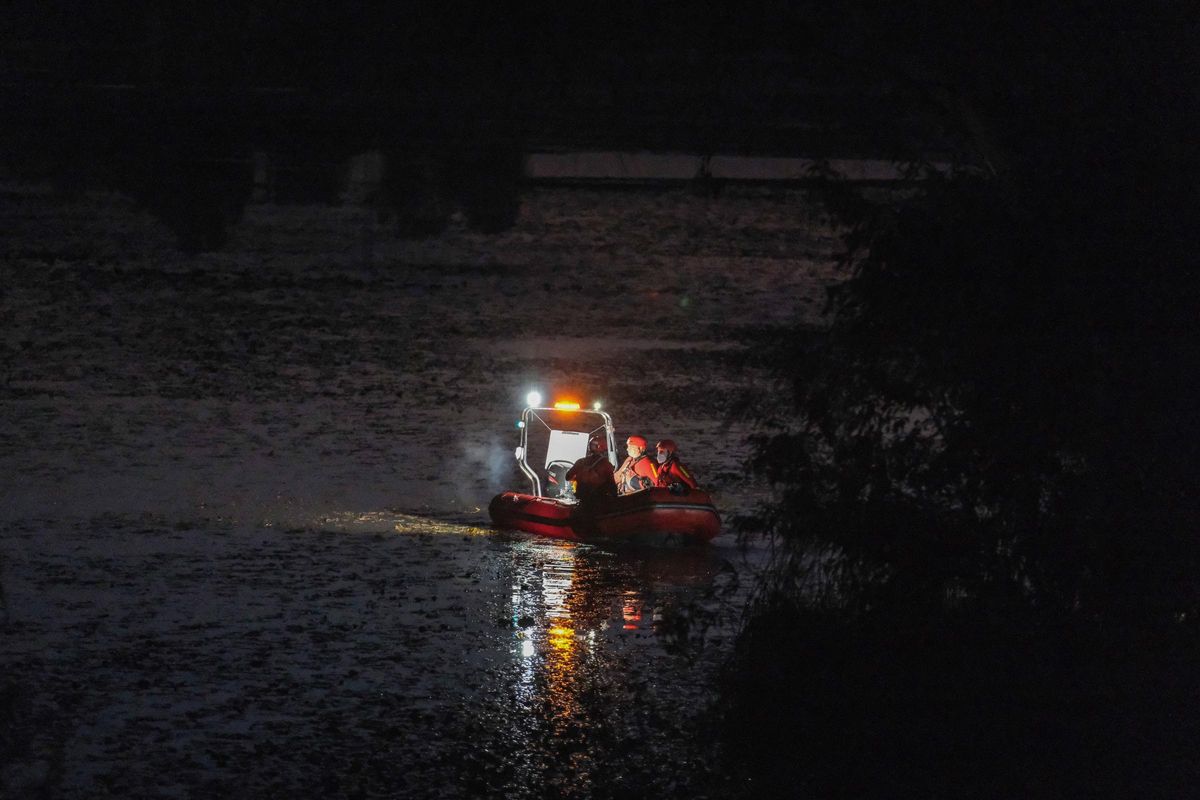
x=593, y=476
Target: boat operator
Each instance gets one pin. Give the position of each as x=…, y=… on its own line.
x=637, y=471
x=592, y=475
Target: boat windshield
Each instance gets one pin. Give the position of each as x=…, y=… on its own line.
x=552, y=440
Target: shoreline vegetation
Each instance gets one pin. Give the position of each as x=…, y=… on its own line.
x=986, y=465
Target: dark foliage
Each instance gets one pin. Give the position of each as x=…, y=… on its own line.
x=1002, y=398
x=987, y=475
x=894, y=704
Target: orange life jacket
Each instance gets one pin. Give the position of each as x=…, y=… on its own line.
x=641, y=467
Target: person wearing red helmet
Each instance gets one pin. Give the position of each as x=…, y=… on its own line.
x=637, y=471
x=671, y=470
x=593, y=474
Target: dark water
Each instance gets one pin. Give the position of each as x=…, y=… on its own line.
x=190, y=608
x=151, y=658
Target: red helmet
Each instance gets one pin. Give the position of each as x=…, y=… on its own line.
x=666, y=445
x=598, y=443
x=636, y=441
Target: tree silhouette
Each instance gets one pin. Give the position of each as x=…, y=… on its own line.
x=986, y=474
x=1001, y=397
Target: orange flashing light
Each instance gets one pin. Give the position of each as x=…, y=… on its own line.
x=566, y=405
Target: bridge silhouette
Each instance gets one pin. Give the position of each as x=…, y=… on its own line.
x=192, y=115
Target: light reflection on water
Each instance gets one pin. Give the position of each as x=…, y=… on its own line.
x=544, y=628
x=564, y=593
x=580, y=685
x=389, y=521
x=585, y=634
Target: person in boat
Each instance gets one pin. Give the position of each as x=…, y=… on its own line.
x=637, y=471
x=671, y=471
x=592, y=475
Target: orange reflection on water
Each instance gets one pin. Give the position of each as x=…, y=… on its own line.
x=561, y=656
x=544, y=593
x=571, y=604
x=631, y=610
x=561, y=638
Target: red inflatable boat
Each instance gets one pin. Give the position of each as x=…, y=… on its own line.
x=653, y=513
x=552, y=439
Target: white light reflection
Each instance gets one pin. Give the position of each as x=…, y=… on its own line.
x=580, y=615
x=541, y=615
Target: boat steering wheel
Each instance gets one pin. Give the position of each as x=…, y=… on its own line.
x=557, y=470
